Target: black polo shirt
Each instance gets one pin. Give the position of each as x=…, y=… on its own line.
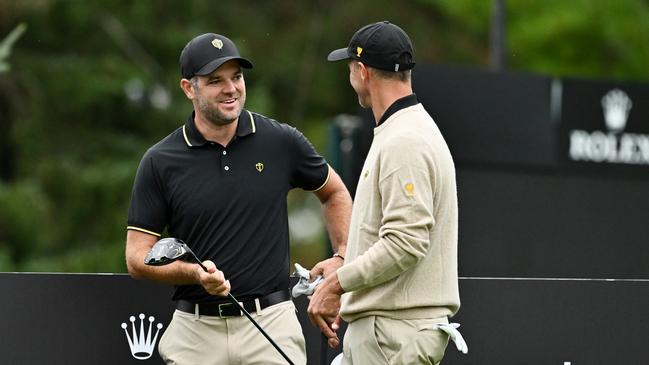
x=228, y=203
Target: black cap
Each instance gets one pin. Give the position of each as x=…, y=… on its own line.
x=381, y=45
x=205, y=53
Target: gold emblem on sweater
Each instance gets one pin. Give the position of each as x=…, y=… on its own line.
x=410, y=189
x=259, y=166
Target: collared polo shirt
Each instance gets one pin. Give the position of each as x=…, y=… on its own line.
x=228, y=203
x=398, y=104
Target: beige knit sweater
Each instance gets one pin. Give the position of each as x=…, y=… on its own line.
x=401, y=258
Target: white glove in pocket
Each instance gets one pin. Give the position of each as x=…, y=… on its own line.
x=451, y=330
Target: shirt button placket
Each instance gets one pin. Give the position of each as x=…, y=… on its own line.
x=225, y=161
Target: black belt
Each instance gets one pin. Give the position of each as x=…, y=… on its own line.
x=229, y=309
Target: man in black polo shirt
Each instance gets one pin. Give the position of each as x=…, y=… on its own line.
x=220, y=184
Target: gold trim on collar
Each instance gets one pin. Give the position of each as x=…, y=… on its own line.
x=252, y=121
x=185, y=136
x=325, y=182
x=143, y=230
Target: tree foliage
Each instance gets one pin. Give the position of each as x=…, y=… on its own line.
x=94, y=83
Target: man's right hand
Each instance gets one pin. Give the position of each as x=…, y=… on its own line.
x=324, y=308
x=326, y=267
x=213, y=280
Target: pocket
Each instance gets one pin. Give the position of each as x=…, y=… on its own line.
x=411, y=341
x=290, y=312
x=164, y=344
x=431, y=338
x=427, y=323
x=381, y=339
x=282, y=324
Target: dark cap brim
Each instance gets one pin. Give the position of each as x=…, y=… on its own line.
x=210, y=67
x=339, y=55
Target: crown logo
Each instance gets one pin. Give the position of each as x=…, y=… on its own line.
x=217, y=43
x=617, y=105
x=141, y=344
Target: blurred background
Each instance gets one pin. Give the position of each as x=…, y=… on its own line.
x=87, y=86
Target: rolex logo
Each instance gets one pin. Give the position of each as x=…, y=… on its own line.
x=217, y=43
x=259, y=166
x=617, y=105
x=141, y=343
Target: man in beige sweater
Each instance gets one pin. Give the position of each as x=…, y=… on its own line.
x=399, y=280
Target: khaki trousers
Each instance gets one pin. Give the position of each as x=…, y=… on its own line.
x=209, y=340
x=375, y=340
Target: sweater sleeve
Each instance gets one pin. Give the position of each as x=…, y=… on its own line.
x=406, y=190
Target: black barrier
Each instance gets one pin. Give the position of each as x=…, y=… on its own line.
x=519, y=120
x=527, y=208
x=491, y=118
x=552, y=174
x=78, y=318
x=553, y=321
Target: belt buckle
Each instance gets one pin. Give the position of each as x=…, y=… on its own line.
x=221, y=310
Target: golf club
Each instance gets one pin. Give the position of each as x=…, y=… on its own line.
x=168, y=250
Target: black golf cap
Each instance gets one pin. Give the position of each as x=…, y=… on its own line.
x=205, y=53
x=381, y=45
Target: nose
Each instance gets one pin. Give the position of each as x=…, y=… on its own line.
x=229, y=87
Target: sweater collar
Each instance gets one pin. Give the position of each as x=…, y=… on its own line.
x=399, y=104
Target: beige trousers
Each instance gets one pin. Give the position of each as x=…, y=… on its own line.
x=380, y=340
x=208, y=340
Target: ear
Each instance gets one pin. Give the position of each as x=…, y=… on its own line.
x=364, y=72
x=187, y=88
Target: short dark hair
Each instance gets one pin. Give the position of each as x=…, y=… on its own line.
x=391, y=75
x=194, y=81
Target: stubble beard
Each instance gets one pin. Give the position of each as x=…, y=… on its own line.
x=215, y=116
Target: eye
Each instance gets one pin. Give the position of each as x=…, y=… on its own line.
x=238, y=77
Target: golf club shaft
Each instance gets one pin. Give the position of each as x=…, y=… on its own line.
x=236, y=302
x=198, y=261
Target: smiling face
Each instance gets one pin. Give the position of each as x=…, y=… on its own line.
x=220, y=96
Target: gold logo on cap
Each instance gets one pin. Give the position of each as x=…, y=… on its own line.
x=259, y=166
x=359, y=50
x=217, y=43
